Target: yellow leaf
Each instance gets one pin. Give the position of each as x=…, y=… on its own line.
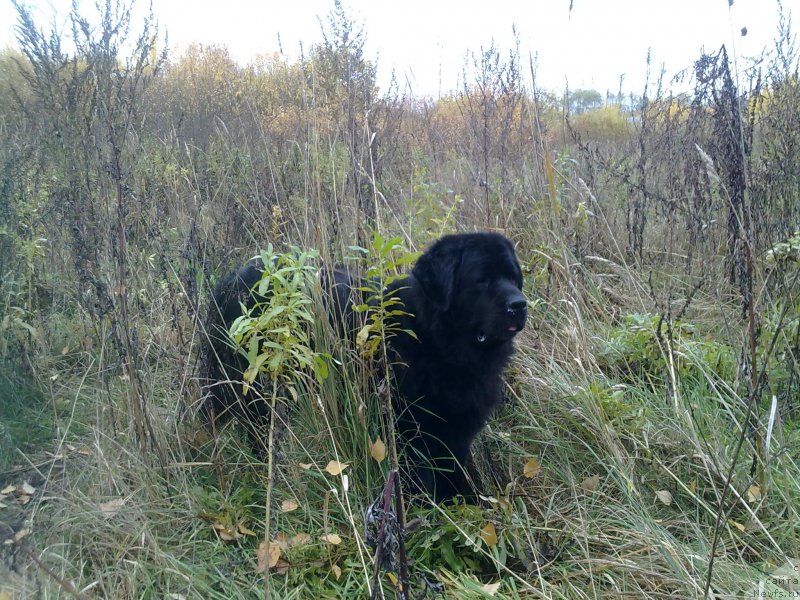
x=65, y=351
x=8, y=489
x=590, y=484
x=111, y=508
x=664, y=497
x=21, y=534
x=362, y=336
x=305, y=466
x=489, y=535
x=531, y=468
x=337, y=571
x=392, y=578
x=300, y=539
x=288, y=506
x=753, y=494
x=378, y=450
x=274, y=554
x=227, y=535
x=693, y=486
x=335, y=467
x=332, y=538
x=268, y=555
x=737, y=525
x=244, y=530
x=23, y=499
x=491, y=588
x=16, y=537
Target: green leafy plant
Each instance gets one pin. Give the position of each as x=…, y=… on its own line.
x=386, y=260
x=636, y=349
x=274, y=334
x=274, y=337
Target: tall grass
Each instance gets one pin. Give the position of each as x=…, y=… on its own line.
x=609, y=471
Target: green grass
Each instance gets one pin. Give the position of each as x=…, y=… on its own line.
x=26, y=417
x=644, y=528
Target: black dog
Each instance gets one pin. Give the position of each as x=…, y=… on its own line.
x=464, y=304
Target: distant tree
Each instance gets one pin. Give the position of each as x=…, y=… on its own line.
x=581, y=101
x=343, y=82
x=198, y=91
x=14, y=91
x=492, y=104
x=607, y=124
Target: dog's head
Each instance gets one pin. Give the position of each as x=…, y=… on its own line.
x=475, y=282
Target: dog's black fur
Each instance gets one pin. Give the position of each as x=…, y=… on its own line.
x=464, y=304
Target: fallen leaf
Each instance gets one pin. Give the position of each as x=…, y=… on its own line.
x=531, y=468
x=378, y=451
x=288, y=506
x=305, y=466
x=83, y=451
x=111, y=508
x=281, y=567
x=590, y=484
x=489, y=535
x=337, y=571
x=268, y=555
x=300, y=539
x=27, y=488
x=737, y=525
x=246, y=531
x=16, y=537
x=664, y=497
x=693, y=486
x=65, y=351
x=753, y=494
x=282, y=539
x=8, y=489
x=491, y=588
x=21, y=534
x=226, y=534
x=334, y=467
x=23, y=499
x=332, y=538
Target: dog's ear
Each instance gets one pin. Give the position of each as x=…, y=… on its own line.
x=436, y=271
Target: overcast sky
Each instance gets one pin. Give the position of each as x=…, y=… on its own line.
x=425, y=42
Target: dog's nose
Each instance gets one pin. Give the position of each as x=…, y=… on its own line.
x=517, y=305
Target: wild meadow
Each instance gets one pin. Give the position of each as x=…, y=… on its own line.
x=648, y=444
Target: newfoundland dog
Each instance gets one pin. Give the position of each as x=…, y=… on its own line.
x=464, y=304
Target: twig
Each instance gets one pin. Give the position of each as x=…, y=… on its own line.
x=62, y=583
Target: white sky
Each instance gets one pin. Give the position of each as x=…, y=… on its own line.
x=426, y=41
